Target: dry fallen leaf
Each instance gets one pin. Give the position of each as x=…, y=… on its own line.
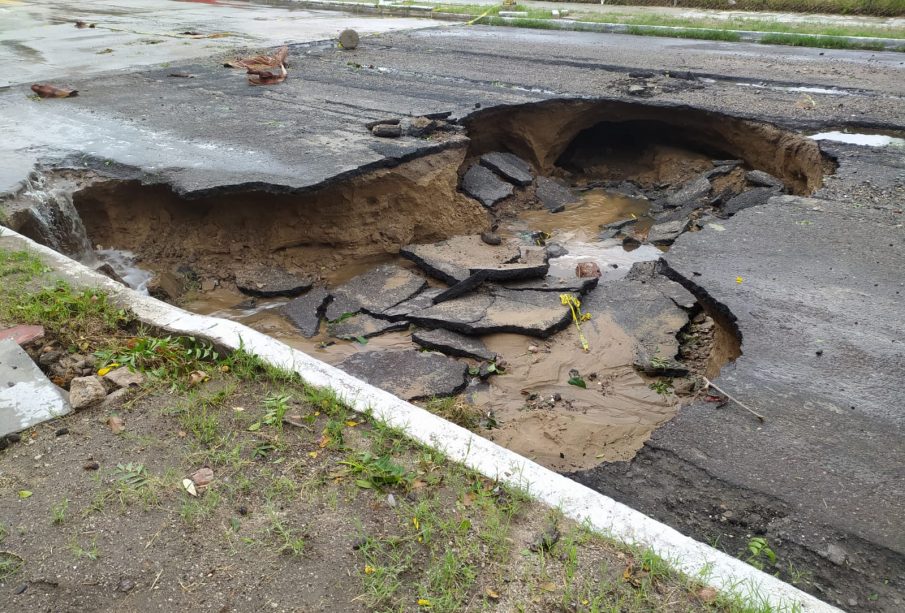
x=491, y=593
x=261, y=62
x=52, y=91
x=548, y=586
x=189, y=487
x=468, y=499
x=116, y=424
x=202, y=476
x=265, y=77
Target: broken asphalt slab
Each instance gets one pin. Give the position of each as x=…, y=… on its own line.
x=494, y=309
x=553, y=195
x=823, y=352
x=510, y=167
x=270, y=282
x=27, y=396
x=364, y=326
x=410, y=374
x=644, y=304
x=484, y=186
x=306, y=312
x=375, y=291
x=453, y=344
x=455, y=260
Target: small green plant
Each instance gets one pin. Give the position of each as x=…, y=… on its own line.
x=276, y=406
x=662, y=387
x=759, y=551
x=91, y=552
x=167, y=357
x=131, y=476
x=10, y=564
x=58, y=511
x=288, y=542
x=376, y=472
x=455, y=410
x=659, y=363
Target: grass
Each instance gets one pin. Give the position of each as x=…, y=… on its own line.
x=823, y=42
x=844, y=7
x=456, y=410
x=821, y=35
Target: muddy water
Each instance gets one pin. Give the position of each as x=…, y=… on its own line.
x=538, y=413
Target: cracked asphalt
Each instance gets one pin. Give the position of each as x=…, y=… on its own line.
x=819, y=308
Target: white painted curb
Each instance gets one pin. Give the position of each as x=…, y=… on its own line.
x=576, y=501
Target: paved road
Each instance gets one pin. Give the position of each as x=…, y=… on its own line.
x=819, y=477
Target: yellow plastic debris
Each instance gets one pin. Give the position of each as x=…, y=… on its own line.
x=577, y=316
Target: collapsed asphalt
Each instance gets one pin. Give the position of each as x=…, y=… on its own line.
x=821, y=479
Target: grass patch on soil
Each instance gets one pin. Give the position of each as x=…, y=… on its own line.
x=823, y=42
x=216, y=485
x=724, y=35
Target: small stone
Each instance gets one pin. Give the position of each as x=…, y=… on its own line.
x=90, y=465
x=203, y=476
x=86, y=391
x=491, y=238
x=62, y=432
x=533, y=348
x=126, y=585
x=387, y=130
x=555, y=250
x=587, y=270
x=115, y=397
x=123, y=377
x=836, y=554
x=348, y=39
x=20, y=589
x=391, y=500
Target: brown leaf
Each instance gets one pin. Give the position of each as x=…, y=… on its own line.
x=491, y=593
x=468, y=499
x=52, y=91
x=265, y=77
x=548, y=586
x=116, y=424
x=202, y=476
x=260, y=62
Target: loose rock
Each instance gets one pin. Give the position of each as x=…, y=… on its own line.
x=348, y=39
x=386, y=130
x=587, y=269
x=86, y=391
x=491, y=238
x=123, y=377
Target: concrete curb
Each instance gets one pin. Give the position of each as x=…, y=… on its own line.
x=576, y=501
x=574, y=25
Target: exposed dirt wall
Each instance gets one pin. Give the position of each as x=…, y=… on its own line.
x=542, y=132
x=372, y=214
